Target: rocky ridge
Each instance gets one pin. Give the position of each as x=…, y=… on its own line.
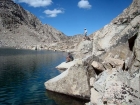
x=107, y=68
x=21, y=29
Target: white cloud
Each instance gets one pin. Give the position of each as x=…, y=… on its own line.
x=41, y=17
x=84, y=4
x=36, y=3
x=53, y=13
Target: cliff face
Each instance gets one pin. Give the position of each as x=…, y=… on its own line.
x=21, y=29
x=118, y=46
x=120, y=29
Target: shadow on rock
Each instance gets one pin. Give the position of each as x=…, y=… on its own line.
x=62, y=99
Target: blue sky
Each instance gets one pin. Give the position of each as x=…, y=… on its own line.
x=72, y=16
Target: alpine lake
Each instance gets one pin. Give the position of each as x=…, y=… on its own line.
x=22, y=77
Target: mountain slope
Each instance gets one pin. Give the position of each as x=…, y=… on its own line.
x=21, y=29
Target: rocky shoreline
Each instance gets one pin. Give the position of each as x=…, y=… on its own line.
x=107, y=68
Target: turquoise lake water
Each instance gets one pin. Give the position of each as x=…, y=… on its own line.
x=22, y=77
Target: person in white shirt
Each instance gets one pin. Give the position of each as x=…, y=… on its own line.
x=85, y=32
x=85, y=35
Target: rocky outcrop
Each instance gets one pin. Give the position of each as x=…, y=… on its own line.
x=113, y=87
x=73, y=81
x=111, y=60
x=116, y=45
x=120, y=30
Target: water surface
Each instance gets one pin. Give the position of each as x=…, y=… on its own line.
x=22, y=77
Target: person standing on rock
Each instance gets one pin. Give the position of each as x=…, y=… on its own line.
x=85, y=32
x=85, y=35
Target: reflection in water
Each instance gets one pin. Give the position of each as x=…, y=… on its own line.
x=62, y=99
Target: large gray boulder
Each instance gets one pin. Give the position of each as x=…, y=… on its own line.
x=73, y=81
x=102, y=38
x=113, y=87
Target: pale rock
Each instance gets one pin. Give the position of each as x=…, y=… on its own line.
x=73, y=81
x=121, y=51
x=115, y=89
x=85, y=46
x=92, y=80
x=98, y=66
x=78, y=61
x=135, y=21
x=112, y=34
x=128, y=61
x=95, y=97
x=103, y=39
x=105, y=77
x=136, y=62
x=89, y=59
x=115, y=63
x=117, y=92
x=137, y=46
x=99, y=84
x=135, y=81
x=112, y=30
x=112, y=89
x=64, y=65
